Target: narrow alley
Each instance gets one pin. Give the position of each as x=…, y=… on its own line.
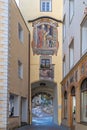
x=42, y=120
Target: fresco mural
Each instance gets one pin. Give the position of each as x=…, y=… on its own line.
x=47, y=73
x=46, y=68
x=45, y=39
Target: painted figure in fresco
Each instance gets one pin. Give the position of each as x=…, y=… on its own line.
x=40, y=38
x=45, y=36
x=50, y=41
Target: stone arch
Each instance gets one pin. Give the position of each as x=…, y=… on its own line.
x=43, y=86
x=81, y=80
x=70, y=87
x=71, y=103
x=65, y=94
x=48, y=87
x=84, y=85
x=73, y=91
x=42, y=90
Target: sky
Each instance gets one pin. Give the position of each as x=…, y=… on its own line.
x=17, y=1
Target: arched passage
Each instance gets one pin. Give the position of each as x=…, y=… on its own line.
x=73, y=106
x=48, y=91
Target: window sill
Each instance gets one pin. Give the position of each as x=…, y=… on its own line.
x=13, y=116
x=83, y=123
x=65, y=118
x=21, y=78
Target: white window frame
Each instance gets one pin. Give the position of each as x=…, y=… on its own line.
x=20, y=33
x=84, y=101
x=44, y=5
x=84, y=37
x=14, y=105
x=71, y=10
x=45, y=58
x=20, y=69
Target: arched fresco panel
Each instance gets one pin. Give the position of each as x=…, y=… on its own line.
x=45, y=38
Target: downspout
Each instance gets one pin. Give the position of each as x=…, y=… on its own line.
x=29, y=88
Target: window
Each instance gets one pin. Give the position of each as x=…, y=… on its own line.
x=13, y=105
x=64, y=28
x=20, y=70
x=84, y=38
x=20, y=33
x=73, y=93
x=71, y=9
x=46, y=5
x=45, y=63
x=65, y=105
x=84, y=101
x=71, y=54
x=64, y=67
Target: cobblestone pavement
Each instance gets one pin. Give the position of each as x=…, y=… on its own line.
x=42, y=124
x=42, y=127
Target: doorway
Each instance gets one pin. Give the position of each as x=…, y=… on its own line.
x=73, y=112
x=24, y=112
x=44, y=96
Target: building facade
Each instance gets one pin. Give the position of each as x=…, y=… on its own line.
x=45, y=25
x=3, y=63
x=14, y=66
x=74, y=83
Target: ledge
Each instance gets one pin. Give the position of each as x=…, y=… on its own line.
x=45, y=17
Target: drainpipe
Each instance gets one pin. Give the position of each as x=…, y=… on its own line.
x=29, y=89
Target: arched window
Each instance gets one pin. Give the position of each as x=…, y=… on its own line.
x=73, y=104
x=73, y=91
x=65, y=104
x=84, y=101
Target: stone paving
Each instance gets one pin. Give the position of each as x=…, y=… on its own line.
x=42, y=127
x=42, y=123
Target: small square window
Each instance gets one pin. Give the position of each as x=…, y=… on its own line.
x=20, y=33
x=46, y=5
x=45, y=63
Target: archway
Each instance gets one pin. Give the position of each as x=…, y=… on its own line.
x=84, y=100
x=73, y=107
x=44, y=101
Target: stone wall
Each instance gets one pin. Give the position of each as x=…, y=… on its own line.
x=3, y=63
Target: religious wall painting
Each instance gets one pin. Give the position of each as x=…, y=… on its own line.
x=45, y=39
x=47, y=74
x=46, y=68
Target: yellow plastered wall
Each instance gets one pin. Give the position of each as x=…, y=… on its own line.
x=31, y=10
x=18, y=51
